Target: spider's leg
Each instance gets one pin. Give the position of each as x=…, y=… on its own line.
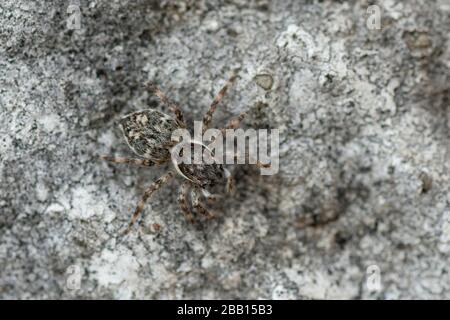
x=229, y=186
x=183, y=203
x=208, y=115
x=198, y=205
x=234, y=123
x=209, y=196
x=259, y=164
x=138, y=162
x=152, y=188
x=153, y=88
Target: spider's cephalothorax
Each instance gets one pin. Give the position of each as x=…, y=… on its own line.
x=149, y=134
x=203, y=174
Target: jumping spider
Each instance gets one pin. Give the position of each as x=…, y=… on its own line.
x=148, y=134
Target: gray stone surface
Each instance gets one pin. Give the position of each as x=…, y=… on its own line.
x=364, y=174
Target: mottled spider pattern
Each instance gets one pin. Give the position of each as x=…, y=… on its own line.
x=149, y=135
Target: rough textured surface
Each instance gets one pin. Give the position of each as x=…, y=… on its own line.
x=364, y=167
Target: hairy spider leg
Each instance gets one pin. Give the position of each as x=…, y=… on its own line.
x=152, y=188
x=208, y=115
x=153, y=88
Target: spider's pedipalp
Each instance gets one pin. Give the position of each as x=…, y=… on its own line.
x=198, y=205
x=208, y=115
x=209, y=196
x=152, y=188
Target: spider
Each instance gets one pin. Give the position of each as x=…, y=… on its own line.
x=148, y=134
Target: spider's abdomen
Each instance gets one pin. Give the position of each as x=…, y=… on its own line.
x=149, y=134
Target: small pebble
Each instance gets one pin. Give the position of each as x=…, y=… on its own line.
x=265, y=81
